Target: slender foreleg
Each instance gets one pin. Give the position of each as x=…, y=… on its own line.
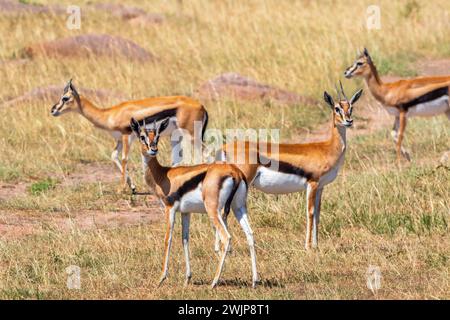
x=316, y=217
x=126, y=180
x=115, y=154
x=170, y=221
x=311, y=193
x=401, y=134
x=185, y=220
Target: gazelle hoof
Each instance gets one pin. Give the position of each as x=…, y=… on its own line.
x=214, y=283
x=187, y=281
x=161, y=280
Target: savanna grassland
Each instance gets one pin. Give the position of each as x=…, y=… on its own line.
x=374, y=214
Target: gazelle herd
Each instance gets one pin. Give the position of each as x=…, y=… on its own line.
x=279, y=168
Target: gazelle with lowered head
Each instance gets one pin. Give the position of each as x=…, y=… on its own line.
x=203, y=188
x=182, y=112
x=421, y=96
x=285, y=168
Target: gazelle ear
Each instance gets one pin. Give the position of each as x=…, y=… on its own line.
x=366, y=52
x=163, y=126
x=328, y=99
x=356, y=96
x=135, y=126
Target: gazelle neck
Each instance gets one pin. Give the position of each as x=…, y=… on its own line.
x=375, y=83
x=155, y=173
x=338, y=137
x=91, y=112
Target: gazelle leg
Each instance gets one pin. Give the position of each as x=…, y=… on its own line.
x=217, y=242
x=177, y=151
x=316, y=217
x=115, y=155
x=394, y=131
x=185, y=221
x=170, y=221
x=125, y=151
x=225, y=238
x=242, y=217
x=311, y=193
x=401, y=133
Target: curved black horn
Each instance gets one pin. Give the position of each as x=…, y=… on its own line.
x=342, y=89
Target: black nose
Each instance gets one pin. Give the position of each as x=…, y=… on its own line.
x=53, y=108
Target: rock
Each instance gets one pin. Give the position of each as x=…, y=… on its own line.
x=89, y=45
x=147, y=19
x=134, y=15
x=53, y=93
x=119, y=10
x=239, y=87
x=16, y=7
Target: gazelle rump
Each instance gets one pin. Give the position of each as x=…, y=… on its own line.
x=182, y=111
x=421, y=96
x=204, y=188
x=286, y=168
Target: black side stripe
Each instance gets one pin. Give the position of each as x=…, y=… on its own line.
x=189, y=185
x=430, y=96
x=288, y=168
x=157, y=117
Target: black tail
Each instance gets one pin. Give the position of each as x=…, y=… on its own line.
x=205, y=124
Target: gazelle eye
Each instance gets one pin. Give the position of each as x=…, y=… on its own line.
x=142, y=138
x=359, y=63
x=65, y=99
x=337, y=110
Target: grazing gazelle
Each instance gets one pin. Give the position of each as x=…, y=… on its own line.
x=286, y=168
x=422, y=96
x=203, y=188
x=182, y=111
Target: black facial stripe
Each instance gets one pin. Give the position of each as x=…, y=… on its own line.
x=189, y=185
x=432, y=95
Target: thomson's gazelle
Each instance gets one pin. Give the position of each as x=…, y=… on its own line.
x=182, y=111
x=204, y=188
x=422, y=96
x=286, y=168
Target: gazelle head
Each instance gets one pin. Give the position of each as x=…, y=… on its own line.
x=343, y=108
x=67, y=102
x=149, y=138
x=361, y=66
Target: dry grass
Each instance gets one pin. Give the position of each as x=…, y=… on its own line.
x=374, y=214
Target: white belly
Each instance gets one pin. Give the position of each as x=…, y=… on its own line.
x=270, y=181
x=430, y=108
x=193, y=201
x=427, y=109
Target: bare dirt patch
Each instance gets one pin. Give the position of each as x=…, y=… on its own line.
x=439, y=67
x=15, y=225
